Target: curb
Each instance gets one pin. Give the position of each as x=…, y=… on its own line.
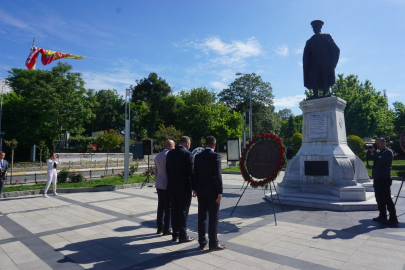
x=72, y=190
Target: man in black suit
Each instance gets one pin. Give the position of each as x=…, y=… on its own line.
x=3, y=170
x=208, y=181
x=179, y=169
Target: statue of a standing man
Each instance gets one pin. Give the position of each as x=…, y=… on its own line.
x=321, y=55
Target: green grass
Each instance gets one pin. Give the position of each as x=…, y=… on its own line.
x=111, y=181
x=231, y=169
x=393, y=172
x=394, y=162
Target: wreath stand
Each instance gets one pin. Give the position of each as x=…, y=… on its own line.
x=147, y=176
x=399, y=191
x=272, y=200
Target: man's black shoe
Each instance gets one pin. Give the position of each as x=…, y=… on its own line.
x=218, y=248
x=159, y=231
x=186, y=239
x=175, y=238
x=391, y=222
x=168, y=232
x=203, y=246
x=380, y=219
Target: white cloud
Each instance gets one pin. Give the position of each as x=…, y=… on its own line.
x=300, y=63
x=288, y=102
x=282, y=50
x=118, y=79
x=299, y=51
x=219, y=85
x=343, y=60
x=229, y=53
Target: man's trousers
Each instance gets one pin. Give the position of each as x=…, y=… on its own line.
x=180, y=204
x=163, y=210
x=382, y=190
x=208, y=204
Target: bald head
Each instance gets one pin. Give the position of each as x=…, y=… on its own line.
x=169, y=144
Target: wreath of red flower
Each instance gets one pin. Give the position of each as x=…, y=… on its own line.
x=281, y=161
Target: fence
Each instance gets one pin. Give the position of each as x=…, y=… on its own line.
x=37, y=177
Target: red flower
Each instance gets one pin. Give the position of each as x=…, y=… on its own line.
x=281, y=156
x=282, y=151
x=267, y=135
x=254, y=139
x=250, y=142
x=258, y=136
x=281, y=147
x=272, y=136
x=263, y=134
x=279, y=166
x=16, y=180
x=279, y=142
x=280, y=161
x=260, y=182
x=272, y=175
x=275, y=171
x=277, y=138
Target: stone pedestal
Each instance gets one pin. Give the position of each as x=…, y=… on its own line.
x=325, y=173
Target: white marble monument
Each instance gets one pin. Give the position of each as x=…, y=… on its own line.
x=325, y=173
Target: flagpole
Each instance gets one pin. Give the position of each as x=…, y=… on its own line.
x=33, y=45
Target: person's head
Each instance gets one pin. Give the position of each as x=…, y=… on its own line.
x=317, y=26
x=2, y=155
x=52, y=156
x=185, y=141
x=210, y=142
x=380, y=142
x=169, y=144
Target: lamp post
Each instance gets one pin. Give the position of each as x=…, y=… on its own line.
x=250, y=97
x=1, y=113
x=127, y=133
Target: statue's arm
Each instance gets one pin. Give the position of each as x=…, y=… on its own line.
x=335, y=49
x=306, y=56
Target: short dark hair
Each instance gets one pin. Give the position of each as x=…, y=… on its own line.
x=1, y=152
x=51, y=154
x=184, y=139
x=381, y=139
x=210, y=140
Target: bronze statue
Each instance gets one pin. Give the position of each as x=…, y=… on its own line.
x=321, y=55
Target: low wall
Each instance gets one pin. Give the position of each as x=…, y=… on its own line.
x=78, y=157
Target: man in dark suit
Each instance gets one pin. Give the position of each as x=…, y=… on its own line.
x=179, y=169
x=3, y=170
x=208, y=181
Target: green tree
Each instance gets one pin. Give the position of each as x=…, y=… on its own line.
x=46, y=104
x=165, y=133
x=109, y=139
x=296, y=140
x=366, y=113
x=13, y=145
x=357, y=145
x=108, y=111
x=237, y=98
x=285, y=114
x=152, y=90
x=399, y=121
x=41, y=146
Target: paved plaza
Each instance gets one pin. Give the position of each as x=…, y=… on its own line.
x=117, y=230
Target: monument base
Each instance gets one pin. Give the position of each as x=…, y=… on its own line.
x=327, y=202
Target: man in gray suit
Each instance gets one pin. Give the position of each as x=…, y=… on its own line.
x=3, y=170
x=163, y=211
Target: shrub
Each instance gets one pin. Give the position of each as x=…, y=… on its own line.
x=357, y=145
x=63, y=175
x=296, y=140
x=76, y=177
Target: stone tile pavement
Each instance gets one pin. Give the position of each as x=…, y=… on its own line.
x=116, y=230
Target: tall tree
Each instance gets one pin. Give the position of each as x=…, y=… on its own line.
x=108, y=111
x=285, y=114
x=152, y=91
x=399, y=121
x=366, y=113
x=46, y=104
x=237, y=98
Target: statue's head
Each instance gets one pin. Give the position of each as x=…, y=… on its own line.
x=317, y=26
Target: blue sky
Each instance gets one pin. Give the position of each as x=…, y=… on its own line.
x=204, y=43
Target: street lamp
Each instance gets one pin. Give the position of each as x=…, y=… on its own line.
x=127, y=132
x=250, y=97
x=1, y=112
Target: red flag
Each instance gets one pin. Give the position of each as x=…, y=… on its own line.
x=32, y=58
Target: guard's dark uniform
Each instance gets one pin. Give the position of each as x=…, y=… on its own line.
x=382, y=182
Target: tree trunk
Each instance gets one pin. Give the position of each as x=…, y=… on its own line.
x=40, y=160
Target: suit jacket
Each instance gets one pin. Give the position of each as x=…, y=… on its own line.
x=179, y=169
x=160, y=169
x=208, y=173
x=5, y=166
